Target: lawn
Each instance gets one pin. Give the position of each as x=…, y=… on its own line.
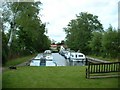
x=0, y=80
x=53, y=77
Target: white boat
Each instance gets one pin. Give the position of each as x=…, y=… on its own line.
x=50, y=63
x=35, y=62
x=75, y=56
x=39, y=56
x=48, y=55
x=42, y=62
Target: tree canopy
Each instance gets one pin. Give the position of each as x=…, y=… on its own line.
x=86, y=33
x=26, y=34
x=79, y=31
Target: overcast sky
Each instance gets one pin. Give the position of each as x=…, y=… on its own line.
x=59, y=13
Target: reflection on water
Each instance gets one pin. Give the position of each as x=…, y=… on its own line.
x=61, y=61
x=74, y=63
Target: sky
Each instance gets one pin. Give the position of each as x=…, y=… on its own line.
x=58, y=13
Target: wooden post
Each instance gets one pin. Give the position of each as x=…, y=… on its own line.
x=109, y=67
x=104, y=68
x=91, y=68
x=99, y=68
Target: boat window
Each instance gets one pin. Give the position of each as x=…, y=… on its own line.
x=43, y=62
x=76, y=56
x=72, y=55
x=80, y=55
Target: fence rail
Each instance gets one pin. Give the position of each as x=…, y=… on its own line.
x=96, y=68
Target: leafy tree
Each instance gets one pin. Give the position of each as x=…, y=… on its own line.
x=3, y=19
x=31, y=30
x=110, y=42
x=27, y=32
x=46, y=43
x=28, y=23
x=79, y=31
x=4, y=48
x=96, y=43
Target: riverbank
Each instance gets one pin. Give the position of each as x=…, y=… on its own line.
x=103, y=59
x=19, y=60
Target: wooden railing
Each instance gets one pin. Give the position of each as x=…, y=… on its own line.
x=97, y=68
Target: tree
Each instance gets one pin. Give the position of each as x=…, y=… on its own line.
x=79, y=31
x=30, y=28
x=3, y=19
x=27, y=32
x=96, y=43
x=4, y=48
x=110, y=42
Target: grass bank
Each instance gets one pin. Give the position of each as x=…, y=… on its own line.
x=18, y=60
x=106, y=59
x=54, y=77
x=0, y=80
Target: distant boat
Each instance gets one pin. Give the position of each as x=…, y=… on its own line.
x=40, y=60
x=75, y=56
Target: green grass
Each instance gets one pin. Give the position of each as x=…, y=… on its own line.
x=54, y=77
x=0, y=80
x=106, y=59
x=18, y=60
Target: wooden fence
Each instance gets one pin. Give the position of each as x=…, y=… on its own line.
x=96, y=68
